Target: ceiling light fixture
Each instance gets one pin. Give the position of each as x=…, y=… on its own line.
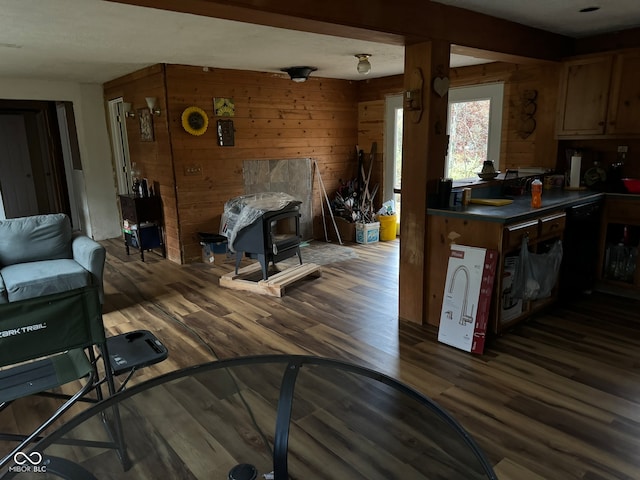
x=364, y=67
x=299, y=74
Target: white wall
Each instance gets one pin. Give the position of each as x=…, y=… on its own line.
x=94, y=185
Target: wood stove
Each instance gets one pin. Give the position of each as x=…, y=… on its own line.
x=273, y=237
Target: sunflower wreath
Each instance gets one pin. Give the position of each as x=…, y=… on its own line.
x=195, y=120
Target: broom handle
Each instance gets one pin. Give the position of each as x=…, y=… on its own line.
x=327, y=200
x=324, y=221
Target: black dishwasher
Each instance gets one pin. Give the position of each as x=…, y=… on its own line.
x=580, y=245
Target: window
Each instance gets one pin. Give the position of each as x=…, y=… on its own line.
x=474, y=127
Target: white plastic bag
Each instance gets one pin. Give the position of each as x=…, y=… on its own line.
x=537, y=273
x=388, y=208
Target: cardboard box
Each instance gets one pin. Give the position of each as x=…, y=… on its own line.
x=346, y=229
x=467, y=297
x=367, y=232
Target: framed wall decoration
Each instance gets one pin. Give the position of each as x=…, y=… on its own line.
x=224, y=107
x=146, y=125
x=195, y=121
x=226, y=133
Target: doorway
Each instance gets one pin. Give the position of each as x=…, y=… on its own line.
x=33, y=160
x=393, y=152
x=16, y=182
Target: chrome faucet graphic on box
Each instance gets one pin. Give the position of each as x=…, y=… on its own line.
x=467, y=297
x=464, y=317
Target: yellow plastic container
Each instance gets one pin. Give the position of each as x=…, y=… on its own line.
x=388, y=228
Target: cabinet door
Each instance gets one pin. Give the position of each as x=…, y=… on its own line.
x=512, y=235
x=624, y=104
x=552, y=226
x=584, y=96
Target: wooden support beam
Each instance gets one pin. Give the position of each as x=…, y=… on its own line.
x=424, y=148
x=401, y=22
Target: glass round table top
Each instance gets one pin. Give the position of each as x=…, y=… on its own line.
x=279, y=416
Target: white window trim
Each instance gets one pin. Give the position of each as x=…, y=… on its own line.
x=488, y=91
x=391, y=104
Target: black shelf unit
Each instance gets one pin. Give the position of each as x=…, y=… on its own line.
x=145, y=219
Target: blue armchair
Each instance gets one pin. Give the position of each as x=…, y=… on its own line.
x=41, y=255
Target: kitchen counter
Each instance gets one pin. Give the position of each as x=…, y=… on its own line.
x=520, y=209
x=502, y=229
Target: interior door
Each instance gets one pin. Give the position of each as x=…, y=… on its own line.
x=16, y=181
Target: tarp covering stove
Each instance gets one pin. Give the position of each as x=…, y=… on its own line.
x=242, y=211
x=264, y=226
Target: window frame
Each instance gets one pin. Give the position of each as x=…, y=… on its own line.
x=494, y=92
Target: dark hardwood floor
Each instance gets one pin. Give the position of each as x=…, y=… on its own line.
x=555, y=398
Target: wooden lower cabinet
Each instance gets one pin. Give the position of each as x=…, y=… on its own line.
x=506, y=238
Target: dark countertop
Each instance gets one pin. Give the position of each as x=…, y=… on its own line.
x=520, y=209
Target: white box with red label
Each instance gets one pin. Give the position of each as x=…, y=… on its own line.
x=467, y=297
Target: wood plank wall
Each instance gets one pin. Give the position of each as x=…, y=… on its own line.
x=604, y=151
x=275, y=118
x=154, y=159
x=538, y=149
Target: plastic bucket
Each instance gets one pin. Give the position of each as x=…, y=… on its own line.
x=388, y=227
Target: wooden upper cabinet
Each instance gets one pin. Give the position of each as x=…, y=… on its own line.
x=600, y=96
x=584, y=96
x=624, y=104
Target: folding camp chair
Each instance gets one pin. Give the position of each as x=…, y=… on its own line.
x=47, y=342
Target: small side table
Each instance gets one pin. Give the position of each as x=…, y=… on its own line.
x=131, y=351
x=145, y=218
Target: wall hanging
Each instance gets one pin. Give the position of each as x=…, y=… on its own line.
x=195, y=121
x=413, y=96
x=226, y=133
x=528, y=107
x=146, y=125
x=224, y=107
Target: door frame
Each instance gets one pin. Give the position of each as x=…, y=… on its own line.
x=17, y=181
x=44, y=130
x=69, y=158
x=120, y=143
x=392, y=103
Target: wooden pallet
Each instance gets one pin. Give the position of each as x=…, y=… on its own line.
x=274, y=285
